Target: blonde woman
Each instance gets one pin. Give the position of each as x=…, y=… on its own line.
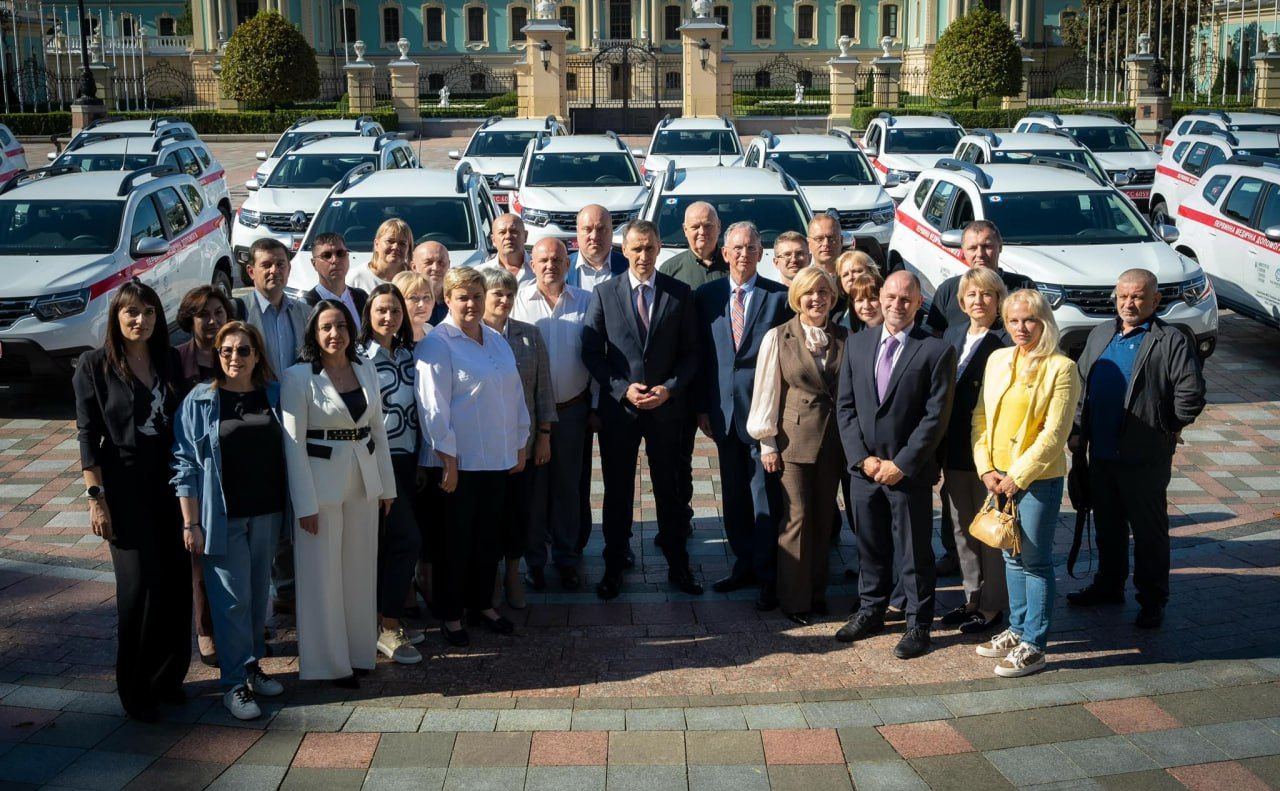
x=1020, y=428
x=849, y=267
x=391, y=246
x=420, y=298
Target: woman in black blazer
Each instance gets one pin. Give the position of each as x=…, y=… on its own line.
x=126, y=395
x=982, y=567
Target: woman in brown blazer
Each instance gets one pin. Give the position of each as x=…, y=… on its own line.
x=793, y=417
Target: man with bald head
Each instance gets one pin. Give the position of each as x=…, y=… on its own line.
x=558, y=310
x=508, y=235
x=703, y=261
x=595, y=260
x=1142, y=387
x=431, y=260
x=893, y=405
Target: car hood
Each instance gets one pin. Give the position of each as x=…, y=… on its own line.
x=572, y=199
x=278, y=200
x=34, y=276
x=1095, y=265
x=847, y=197
x=1123, y=160
x=912, y=162
x=656, y=163
x=492, y=166
x=302, y=275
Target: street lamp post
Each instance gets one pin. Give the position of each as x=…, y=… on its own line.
x=88, y=88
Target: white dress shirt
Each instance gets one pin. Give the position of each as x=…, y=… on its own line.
x=971, y=342
x=471, y=398
x=526, y=272
x=901, y=336
x=345, y=299
x=650, y=295
x=561, y=329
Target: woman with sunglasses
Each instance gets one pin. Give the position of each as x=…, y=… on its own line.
x=230, y=478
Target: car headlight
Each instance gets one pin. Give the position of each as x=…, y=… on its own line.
x=1055, y=295
x=882, y=215
x=904, y=176
x=60, y=306
x=1195, y=290
x=249, y=218
x=535, y=217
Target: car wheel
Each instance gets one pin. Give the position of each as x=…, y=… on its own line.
x=1160, y=214
x=222, y=282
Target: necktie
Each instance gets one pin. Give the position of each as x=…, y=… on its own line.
x=739, y=317
x=642, y=310
x=884, y=368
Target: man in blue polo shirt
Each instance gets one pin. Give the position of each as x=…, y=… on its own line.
x=1143, y=386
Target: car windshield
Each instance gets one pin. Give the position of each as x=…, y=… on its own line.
x=824, y=168
x=696, y=142
x=924, y=140
x=289, y=139
x=1258, y=152
x=1108, y=139
x=1075, y=155
x=1271, y=126
x=1065, y=218
x=444, y=220
x=606, y=169
x=316, y=171
x=59, y=227
x=772, y=214
x=499, y=144
x=89, y=162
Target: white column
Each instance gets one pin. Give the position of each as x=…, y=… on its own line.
x=594, y=5
x=644, y=20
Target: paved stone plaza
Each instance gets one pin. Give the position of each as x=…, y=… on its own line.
x=657, y=690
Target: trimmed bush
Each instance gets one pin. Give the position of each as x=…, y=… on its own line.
x=976, y=56
x=269, y=62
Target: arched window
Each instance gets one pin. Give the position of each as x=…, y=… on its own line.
x=166, y=26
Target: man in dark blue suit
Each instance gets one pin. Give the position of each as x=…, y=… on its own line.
x=893, y=405
x=734, y=313
x=640, y=343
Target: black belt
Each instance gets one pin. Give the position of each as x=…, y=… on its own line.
x=583, y=396
x=348, y=434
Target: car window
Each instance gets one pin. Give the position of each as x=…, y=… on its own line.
x=825, y=168
x=402, y=158
x=187, y=161
x=92, y=162
x=1216, y=157
x=59, y=227
x=1107, y=139
x=936, y=208
x=961, y=212
x=1196, y=158
x=5, y=139
x=922, y=189
x=444, y=220
x=1184, y=126
x=315, y=171
x=486, y=214
x=174, y=213
x=499, y=144
x=1180, y=150
x=1243, y=199
x=873, y=135
x=695, y=142
x=1270, y=215
x=1213, y=190
x=753, y=157
x=587, y=169
x=922, y=140
x=146, y=222
x=203, y=154
x=1095, y=217
x=193, y=197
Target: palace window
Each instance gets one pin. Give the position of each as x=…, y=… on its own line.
x=889, y=21
x=569, y=18
x=847, y=20
x=619, y=19
x=246, y=10
x=475, y=25
x=519, y=18
x=671, y=22
x=433, y=22
x=352, y=31
x=166, y=26
x=721, y=15
x=806, y=23
x=390, y=25
x=764, y=23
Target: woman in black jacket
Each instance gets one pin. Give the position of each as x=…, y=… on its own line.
x=126, y=395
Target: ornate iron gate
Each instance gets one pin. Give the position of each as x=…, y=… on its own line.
x=626, y=87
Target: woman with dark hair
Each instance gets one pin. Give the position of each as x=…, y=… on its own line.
x=340, y=472
x=386, y=340
x=126, y=394
x=229, y=474
x=862, y=294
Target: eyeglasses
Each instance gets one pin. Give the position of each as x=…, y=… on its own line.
x=240, y=351
x=832, y=239
x=332, y=254
x=419, y=298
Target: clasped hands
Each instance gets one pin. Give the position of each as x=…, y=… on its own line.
x=998, y=483
x=882, y=471
x=646, y=397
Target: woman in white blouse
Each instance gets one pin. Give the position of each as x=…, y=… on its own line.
x=391, y=246
x=473, y=413
x=793, y=417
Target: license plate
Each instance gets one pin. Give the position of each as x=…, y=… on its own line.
x=1138, y=194
x=500, y=199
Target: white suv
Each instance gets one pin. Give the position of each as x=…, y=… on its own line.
x=1113, y=142
x=452, y=207
x=560, y=174
x=69, y=239
x=1182, y=164
x=984, y=147
x=693, y=143
x=835, y=177
x=497, y=146
x=105, y=127
x=767, y=197
x=364, y=126
x=900, y=146
x=1251, y=121
x=283, y=206
x=12, y=149
x=1065, y=228
x=1231, y=225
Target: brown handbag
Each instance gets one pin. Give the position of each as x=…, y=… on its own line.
x=998, y=527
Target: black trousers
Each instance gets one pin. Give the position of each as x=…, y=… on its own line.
x=1132, y=497
x=514, y=530
x=584, y=490
x=469, y=545
x=752, y=504
x=399, y=541
x=688, y=436
x=894, y=521
x=668, y=467
x=429, y=506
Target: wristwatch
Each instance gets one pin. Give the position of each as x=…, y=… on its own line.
x=93, y=492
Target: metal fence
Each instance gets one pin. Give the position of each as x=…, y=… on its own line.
x=462, y=82
x=782, y=87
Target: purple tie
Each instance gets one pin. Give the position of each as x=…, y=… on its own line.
x=884, y=368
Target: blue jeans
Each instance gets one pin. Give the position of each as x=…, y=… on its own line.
x=1030, y=574
x=239, y=586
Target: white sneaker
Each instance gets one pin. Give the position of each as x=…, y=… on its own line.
x=1000, y=645
x=239, y=701
x=394, y=644
x=1021, y=661
x=261, y=683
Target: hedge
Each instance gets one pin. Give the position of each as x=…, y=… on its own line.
x=206, y=122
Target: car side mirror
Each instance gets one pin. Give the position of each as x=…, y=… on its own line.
x=1127, y=177
x=953, y=238
x=150, y=246
x=1170, y=234
x=262, y=156
x=638, y=153
x=52, y=155
x=252, y=185
x=892, y=180
x=506, y=183
x=871, y=151
x=847, y=239
x=1273, y=233
x=455, y=154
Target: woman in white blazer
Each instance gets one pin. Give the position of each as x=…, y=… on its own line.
x=339, y=469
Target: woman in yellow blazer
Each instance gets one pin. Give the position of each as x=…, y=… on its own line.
x=1020, y=428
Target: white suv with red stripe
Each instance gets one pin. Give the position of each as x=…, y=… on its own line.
x=1182, y=164
x=903, y=145
x=1065, y=228
x=12, y=149
x=1231, y=224
x=68, y=239
x=1112, y=141
x=1198, y=120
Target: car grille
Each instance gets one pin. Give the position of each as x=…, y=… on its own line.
x=14, y=308
x=852, y=220
x=1100, y=301
x=568, y=221
x=283, y=223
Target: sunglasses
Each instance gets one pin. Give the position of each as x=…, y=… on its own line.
x=331, y=255
x=240, y=351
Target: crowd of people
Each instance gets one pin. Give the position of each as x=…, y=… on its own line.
x=409, y=434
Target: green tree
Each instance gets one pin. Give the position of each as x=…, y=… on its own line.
x=976, y=57
x=185, y=24
x=268, y=62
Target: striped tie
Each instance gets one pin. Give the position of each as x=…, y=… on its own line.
x=739, y=317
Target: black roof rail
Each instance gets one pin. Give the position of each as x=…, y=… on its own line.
x=669, y=175
x=351, y=176
x=80, y=140
x=155, y=171
x=166, y=119
x=845, y=136
x=727, y=123
x=1253, y=160
x=1057, y=119
x=541, y=139
x=490, y=121
x=666, y=121
x=769, y=138
x=945, y=116
x=1062, y=164
x=308, y=139
x=171, y=131
x=549, y=123
x=306, y=119
x=1212, y=114
x=27, y=176
x=1209, y=130
x=166, y=139
x=1097, y=114
x=463, y=173
x=973, y=171
x=384, y=138
x=362, y=119
x=1263, y=111
x=98, y=122
x=1067, y=133
x=614, y=135
x=888, y=118
x=788, y=183
x=987, y=134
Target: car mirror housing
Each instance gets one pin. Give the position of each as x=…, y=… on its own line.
x=953, y=238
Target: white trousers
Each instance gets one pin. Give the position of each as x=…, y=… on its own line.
x=336, y=578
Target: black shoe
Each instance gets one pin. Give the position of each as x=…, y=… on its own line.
x=819, y=607
x=915, y=642
x=1150, y=617
x=959, y=615
x=630, y=562
x=980, y=625
x=894, y=615
x=859, y=626
x=684, y=582
x=947, y=566
x=1093, y=595
x=174, y=696
x=209, y=660
x=569, y=579
x=499, y=625
x=460, y=638
x=536, y=579
x=610, y=585
x=733, y=582
x=799, y=618
x=348, y=682
x=850, y=575
x=360, y=672
x=142, y=713
x=768, y=598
